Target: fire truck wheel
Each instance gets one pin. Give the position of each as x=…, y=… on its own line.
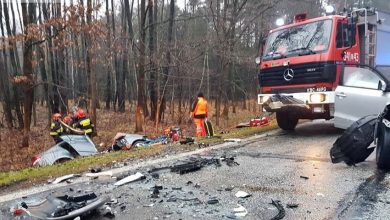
x=286, y=121
x=383, y=147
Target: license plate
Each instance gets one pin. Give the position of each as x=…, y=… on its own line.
x=316, y=89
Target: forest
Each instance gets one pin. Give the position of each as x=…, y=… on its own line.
x=146, y=59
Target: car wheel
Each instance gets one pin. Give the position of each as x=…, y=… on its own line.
x=139, y=143
x=286, y=121
x=383, y=147
x=62, y=160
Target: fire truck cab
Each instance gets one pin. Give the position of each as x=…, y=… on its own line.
x=302, y=62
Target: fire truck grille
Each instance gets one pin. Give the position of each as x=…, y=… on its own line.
x=298, y=74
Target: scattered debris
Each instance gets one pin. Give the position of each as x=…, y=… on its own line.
x=229, y=161
x=105, y=173
x=292, y=205
x=230, y=188
x=242, y=194
x=176, y=188
x=66, y=177
x=212, y=201
x=233, y=140
x=188, y=141
x=280, y=208
x=156, y=191
x=189, y=183
x=259, y=122
x=130, y=178
x=243, y=125
x=65, y=207
x=155, y=175
x=240, y=211
x=194, y=164
x=320, y=194
x=95, y=169
x=304, y=177
x=106, y=211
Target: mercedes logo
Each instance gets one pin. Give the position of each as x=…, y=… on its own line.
x=288, y=74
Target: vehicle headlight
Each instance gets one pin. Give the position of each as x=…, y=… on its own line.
x=264, y=99
x=317, y=98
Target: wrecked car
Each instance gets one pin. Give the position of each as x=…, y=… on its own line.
x=70, y=147
x=64, y=207
x=123, y=141
x=362, y=91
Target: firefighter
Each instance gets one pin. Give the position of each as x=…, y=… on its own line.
x=199, y=114
x=68, y=121
x=56, y=129
x=84, y=123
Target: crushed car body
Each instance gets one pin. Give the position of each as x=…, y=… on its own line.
x=70, y=147
x=64, y=207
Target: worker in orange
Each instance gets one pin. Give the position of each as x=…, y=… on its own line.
x=56, y=128
x=84, y=123
x=199, y=114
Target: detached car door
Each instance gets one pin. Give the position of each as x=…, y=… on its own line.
x=362, y=91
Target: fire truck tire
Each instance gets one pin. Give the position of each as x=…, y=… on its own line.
x=286, y=121
x=383, y=147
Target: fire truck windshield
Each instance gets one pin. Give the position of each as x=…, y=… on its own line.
x=299, y=40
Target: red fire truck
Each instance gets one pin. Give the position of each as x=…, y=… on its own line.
x=302, y=62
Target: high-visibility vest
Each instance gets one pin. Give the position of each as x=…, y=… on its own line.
x=200, y=110
x=56, y=129
x=85, y=125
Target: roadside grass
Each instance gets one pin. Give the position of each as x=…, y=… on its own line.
x=79, y=165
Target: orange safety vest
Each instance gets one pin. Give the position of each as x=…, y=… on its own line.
x=201, y=109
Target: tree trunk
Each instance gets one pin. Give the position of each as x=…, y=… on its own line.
x=141, y=72
x=28, y=11
x=109, y=58
x=92, y=74
x=152, y=64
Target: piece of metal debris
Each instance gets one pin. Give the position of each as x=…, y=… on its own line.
x=304, y=177
x=130, y=178
x=280, y=208
x=242, y=194
x=292, y=205
x=233, y=140
x=212, y=201
x=240, y=211
x=105, y=173
x=66, y=177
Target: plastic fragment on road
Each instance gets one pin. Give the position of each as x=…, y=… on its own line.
x=242, y=194
x=130, y=179
x=105, y=173
x=233, y=140
x=280, y=208
x=320, y=194
x=240, y=211
x=63, y=178
x=292, y=205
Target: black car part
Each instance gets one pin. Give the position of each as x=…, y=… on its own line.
x=352, y=146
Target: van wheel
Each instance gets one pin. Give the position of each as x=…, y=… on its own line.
x=383, y=147
x=286, y=121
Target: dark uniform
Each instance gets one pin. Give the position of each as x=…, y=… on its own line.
x=85, y=124
x=56, y=131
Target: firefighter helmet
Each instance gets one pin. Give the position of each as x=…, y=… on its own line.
x=80, y=114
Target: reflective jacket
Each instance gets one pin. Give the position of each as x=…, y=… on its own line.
x=56, y=128
x=200, y=110
x=85, y=124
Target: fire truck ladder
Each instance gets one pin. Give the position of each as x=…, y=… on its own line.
x=369, y=35
x=370, y=46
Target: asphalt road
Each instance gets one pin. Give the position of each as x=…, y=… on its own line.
x=291, y=167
